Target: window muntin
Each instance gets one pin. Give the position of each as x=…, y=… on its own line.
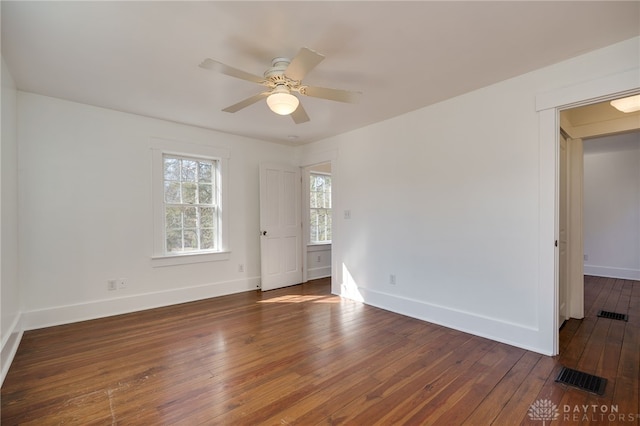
x=320, y=208
x=191, y=204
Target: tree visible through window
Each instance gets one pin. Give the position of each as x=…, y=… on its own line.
x=320, y=204
x=191, y=207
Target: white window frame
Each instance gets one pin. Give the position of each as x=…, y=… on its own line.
x=159, y=148
x=309, y=208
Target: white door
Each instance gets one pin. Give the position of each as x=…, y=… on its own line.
x=280, y=226
x=563, y=258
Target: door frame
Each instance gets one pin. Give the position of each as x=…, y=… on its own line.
x=573, y=264
x=564, y=241
x=575, y=225
x=548, y=106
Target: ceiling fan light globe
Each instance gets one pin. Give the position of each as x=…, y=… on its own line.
x=282, y=103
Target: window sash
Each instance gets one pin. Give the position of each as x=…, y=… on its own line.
x=319, y=208
x=320, y=226
x=190, y=196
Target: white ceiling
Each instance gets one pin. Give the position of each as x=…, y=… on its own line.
x=142, y=57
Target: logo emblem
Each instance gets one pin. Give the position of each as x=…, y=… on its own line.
x=544, y=410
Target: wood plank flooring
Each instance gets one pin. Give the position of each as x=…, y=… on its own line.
x=300, y=355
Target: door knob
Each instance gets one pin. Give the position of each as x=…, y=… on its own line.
x=264, y=233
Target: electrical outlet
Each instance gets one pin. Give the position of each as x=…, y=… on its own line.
x=112, y=285
x=586, y=257
x=241, y=268
x=122, y=283
x=347, y=214
x=319, y=259
x=392, y=279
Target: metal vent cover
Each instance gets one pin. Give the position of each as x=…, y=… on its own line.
x=613, y=315
x=581, y=380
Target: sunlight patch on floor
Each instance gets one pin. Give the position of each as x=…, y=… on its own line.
x=301, y=298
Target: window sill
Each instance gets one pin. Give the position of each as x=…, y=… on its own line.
x=189, y=258
x=318, y=246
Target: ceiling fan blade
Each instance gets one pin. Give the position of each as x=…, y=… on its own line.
x=302, y=63
x=210, y=64
x=300, y=115
x=331, y=94
x=245, y=103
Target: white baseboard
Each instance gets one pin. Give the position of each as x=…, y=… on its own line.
x=10, y=343
x=103, y=308
x=321, y=272
x=513, y=334
x=609, y=272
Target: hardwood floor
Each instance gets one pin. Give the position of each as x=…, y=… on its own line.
x=302, y=356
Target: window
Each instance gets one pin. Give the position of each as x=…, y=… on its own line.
x=189, y=201
x=190, y=204
x=320, y=208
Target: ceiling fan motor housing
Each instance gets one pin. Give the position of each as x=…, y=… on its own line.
x=276, y=77
x=278, y=67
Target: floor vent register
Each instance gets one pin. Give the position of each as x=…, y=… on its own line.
x=613, y=315
x=581, y=380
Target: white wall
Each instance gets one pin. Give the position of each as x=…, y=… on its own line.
x=86, y=212
x=318, y=261
x=447, y=199
x=612, y=206
x=10, y=324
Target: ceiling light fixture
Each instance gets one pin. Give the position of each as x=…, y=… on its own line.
x=630, y=104
x=281, y=101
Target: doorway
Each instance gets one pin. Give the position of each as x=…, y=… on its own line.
x=593, y=120
x=548, y=105
x=317, y=202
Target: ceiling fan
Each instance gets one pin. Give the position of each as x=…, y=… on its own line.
x=282, y=78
